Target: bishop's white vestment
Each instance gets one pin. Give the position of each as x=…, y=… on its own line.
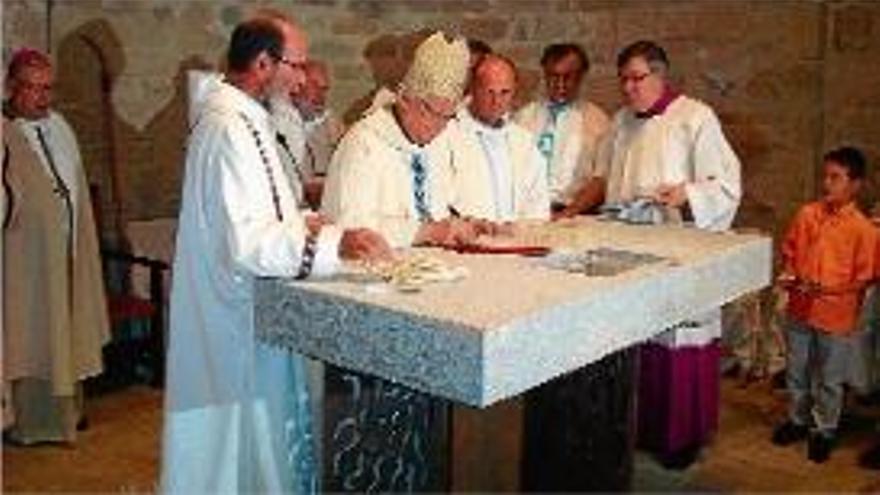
x=380, y=180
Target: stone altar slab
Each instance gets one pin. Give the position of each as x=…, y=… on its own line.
x=515, y=322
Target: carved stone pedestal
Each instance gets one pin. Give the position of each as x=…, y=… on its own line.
x=574, y=433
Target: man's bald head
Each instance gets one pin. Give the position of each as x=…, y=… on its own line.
x=267, y=55
x=494, y=87
x=296, y=50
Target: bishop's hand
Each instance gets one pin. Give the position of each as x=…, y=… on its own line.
x=364, y=244
x=450, y=232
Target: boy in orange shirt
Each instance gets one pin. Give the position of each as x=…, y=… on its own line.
x=828, y=260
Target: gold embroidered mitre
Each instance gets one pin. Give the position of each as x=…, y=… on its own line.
x=439, y=68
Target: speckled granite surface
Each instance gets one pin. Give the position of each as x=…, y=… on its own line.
x=514, y=323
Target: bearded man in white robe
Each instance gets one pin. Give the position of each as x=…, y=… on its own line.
x=55, y=319
x=567, y=127
x=236, y=412
x=499, y=174
x=668, y=148
x=392, y=171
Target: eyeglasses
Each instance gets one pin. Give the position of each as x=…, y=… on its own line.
x=290, y=63
x=633, y=78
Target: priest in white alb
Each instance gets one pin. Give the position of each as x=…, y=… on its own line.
x=392, y=171
x=498, y=173
x=237, y=416
x=669, y=149
x=566, y=125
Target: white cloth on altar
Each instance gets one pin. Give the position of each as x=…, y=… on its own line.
x=684, y=144
x=499, y=174
x=370, y=182
x=577, y=133
x=235, y=415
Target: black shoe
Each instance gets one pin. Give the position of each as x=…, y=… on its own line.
x=778, y=380
x=870, y=459
x=819, y=447
x=682, y=459
x=788, y=433
x=83, y=424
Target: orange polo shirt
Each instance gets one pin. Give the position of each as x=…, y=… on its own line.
x=837, y=250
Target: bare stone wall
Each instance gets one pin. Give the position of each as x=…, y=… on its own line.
x=788, y=78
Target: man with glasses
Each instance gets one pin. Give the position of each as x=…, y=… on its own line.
x=392, y=170
x=567, y=127
x=237, y=416
x=669, y=149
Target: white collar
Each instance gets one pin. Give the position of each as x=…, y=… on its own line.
x=481, y=127
x=385, y=126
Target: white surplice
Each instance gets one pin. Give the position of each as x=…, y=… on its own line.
x=236, y=410
x=576, y=134
x=498, y=173
x=370, y=181
x=684, y=144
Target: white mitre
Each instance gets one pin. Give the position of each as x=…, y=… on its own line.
x=439, y=68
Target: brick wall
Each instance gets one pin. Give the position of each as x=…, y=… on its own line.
x=788, y=78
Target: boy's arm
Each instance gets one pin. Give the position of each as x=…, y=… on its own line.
x=789, y=276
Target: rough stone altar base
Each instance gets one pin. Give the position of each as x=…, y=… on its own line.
x=514, y=323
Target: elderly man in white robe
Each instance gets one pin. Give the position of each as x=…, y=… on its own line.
x=55, y=312
x=499, y=174
x=669, y=149
x=236, y=410
x=323, y=130
x=567, y=127
x=392, y=171
x=307, y=134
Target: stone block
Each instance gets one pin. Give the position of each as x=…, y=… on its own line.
x=786, y=30
x=856, y=28
x=486, y=28
x=334, y=50
x=372, y=8
x=596, y=32
x=353, y=25
x=793, y=83
x=439, y=342
x=447, y=6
